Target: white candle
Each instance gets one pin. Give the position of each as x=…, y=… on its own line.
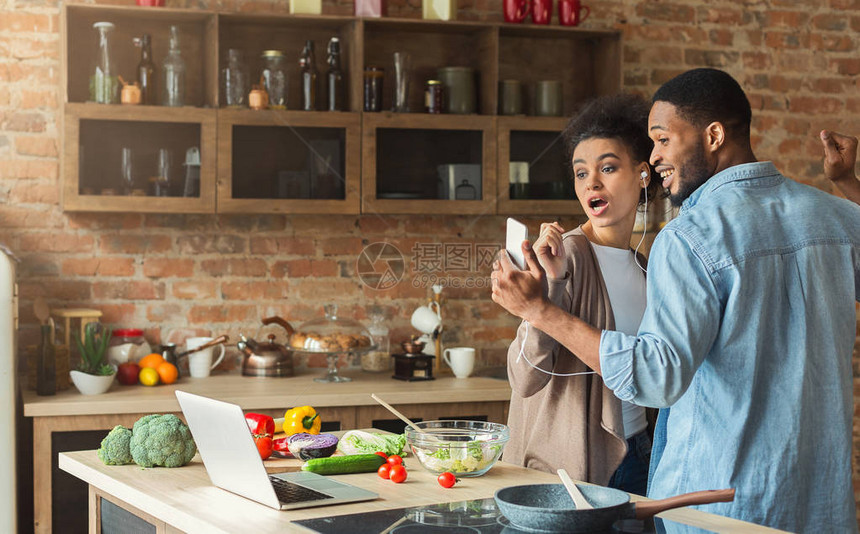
x=439, y=9
x=310, y=7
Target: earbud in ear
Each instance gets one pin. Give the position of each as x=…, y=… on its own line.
x=644, y=174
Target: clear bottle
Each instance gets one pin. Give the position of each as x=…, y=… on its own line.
x=173, y=93
x=104, y=82
x=334, y=76
x=378, y=359
x=275, y=78
x=309, y=77
x=234, y=80
x=146, y=70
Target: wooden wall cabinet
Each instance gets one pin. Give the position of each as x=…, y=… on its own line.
x=351, y=161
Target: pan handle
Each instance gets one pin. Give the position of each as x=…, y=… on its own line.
x=646, y=509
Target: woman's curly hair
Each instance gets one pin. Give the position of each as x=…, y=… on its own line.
x=623, y=117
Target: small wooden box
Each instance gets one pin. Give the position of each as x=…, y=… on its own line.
x=61, y=366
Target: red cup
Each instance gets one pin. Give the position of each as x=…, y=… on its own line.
x=541, y=11
x=151, y=3
x=572, y=12
x=516, y=10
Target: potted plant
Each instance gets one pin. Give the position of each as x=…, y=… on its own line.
x=93, y=375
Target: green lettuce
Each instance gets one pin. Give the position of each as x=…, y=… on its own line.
x=361, y=442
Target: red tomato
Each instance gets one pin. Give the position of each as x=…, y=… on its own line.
x=447, y=480
x=383, y=471
x=397, y=473
x=380, y=453
x=395, y=460
x=264, y=445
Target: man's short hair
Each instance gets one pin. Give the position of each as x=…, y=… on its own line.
x=703, y=96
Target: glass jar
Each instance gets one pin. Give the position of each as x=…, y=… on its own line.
x=373, y=78
x=275, y=78
x=127, y=345
x=433, y=97
x=104, y=82
x=377, y=360
x=173, y=93
x=234, y=80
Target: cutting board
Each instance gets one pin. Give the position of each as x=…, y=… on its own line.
x=284, y=465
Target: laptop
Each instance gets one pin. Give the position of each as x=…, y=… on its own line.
x=233, y=463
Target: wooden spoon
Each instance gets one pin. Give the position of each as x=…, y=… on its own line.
x=41, y=309
x=577, y=496
x=398, y=414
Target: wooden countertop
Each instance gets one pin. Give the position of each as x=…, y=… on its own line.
x=186, y=499
x=260, y=393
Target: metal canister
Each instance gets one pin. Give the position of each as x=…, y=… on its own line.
x=168, y=352
x=433, y=96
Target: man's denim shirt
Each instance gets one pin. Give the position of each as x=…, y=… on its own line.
x=748, y=336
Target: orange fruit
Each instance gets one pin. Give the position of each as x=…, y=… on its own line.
x=167, y=372
x=148, y=376
x=151, y=360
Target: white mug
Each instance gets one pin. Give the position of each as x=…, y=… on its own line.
x=461, y=360
x=200, y=362
x=425, y=319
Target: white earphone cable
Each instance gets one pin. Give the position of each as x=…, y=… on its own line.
x=644, y=231
x=522, y=355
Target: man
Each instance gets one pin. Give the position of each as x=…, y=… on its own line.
x=749, y=326
x=840, y=152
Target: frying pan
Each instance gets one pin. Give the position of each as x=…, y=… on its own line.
x=549, y=508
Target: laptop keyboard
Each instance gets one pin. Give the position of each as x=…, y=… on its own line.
x=289, y=492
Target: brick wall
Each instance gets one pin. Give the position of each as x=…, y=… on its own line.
x=176, y=275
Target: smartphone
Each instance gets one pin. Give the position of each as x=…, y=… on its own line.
x=517, y=233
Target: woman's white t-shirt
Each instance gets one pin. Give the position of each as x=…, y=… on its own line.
x=625, y=283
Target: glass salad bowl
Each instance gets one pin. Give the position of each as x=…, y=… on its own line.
x=331, y=335
x=464, y=448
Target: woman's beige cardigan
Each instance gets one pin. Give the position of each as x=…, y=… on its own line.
x=566, y=422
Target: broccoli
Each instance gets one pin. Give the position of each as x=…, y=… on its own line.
x=161, y=440
x=116, y=448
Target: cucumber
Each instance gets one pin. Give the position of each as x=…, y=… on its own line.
x=342, y=465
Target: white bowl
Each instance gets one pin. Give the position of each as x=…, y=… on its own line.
x=89, y=384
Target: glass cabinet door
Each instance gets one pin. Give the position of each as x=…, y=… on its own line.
x=534, y=172
x=153, y=160
x=288, y=162
x=428, y=164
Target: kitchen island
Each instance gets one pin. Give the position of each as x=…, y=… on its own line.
x=346, y=404
x=184, y=500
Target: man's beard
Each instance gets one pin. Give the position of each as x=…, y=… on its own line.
x=693, y=173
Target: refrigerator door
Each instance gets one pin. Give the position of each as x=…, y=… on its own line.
x=8, y=391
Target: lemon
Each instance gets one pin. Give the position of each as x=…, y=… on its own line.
x=148, y=376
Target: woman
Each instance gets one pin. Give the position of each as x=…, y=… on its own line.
x=561, y=415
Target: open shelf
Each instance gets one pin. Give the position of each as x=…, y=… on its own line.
x=252, y=34
x=197, y=33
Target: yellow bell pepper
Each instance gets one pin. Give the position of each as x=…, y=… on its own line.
x=302, y=419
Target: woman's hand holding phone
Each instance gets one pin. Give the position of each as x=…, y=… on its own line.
x=550, y=251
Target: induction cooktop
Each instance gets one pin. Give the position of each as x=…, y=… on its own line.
x=479, y=516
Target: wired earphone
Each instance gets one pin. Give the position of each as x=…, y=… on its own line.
x=643, y=175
